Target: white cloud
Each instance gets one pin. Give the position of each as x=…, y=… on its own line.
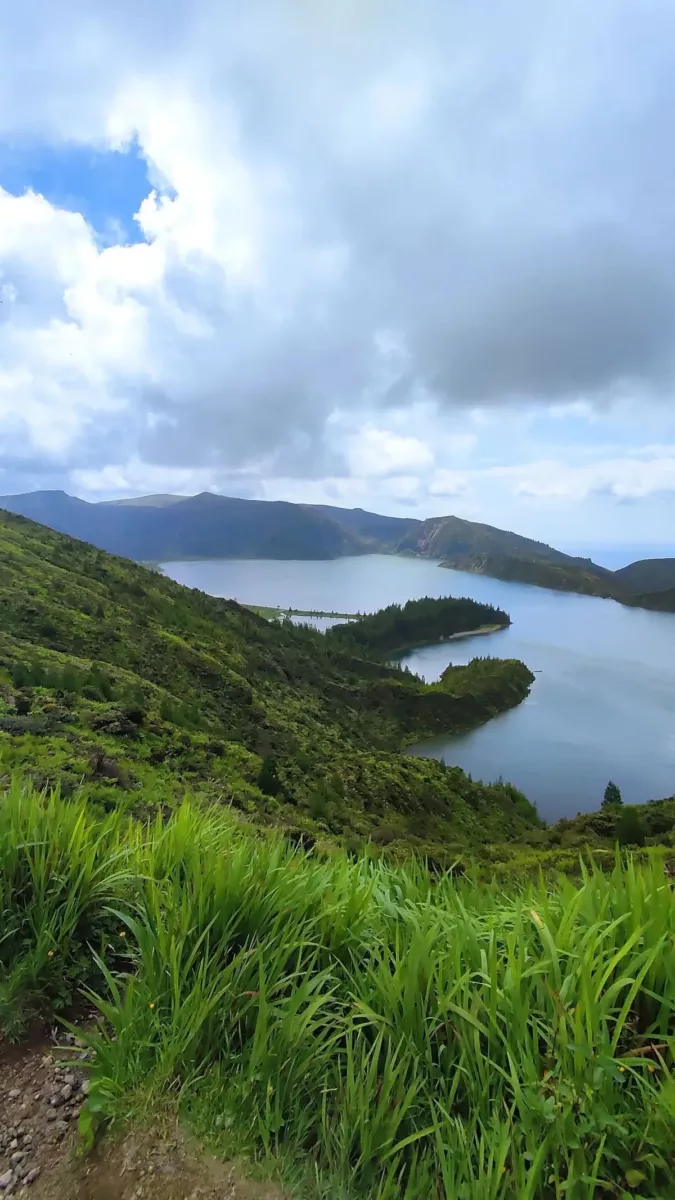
x=373, y=452
x=373, y=241
x=624, y=478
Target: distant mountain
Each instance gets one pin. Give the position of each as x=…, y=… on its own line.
x=159, y=501
x=162, y=528
x=371, y=528
x=561, y=575
x=441, y=537
x=203, y=526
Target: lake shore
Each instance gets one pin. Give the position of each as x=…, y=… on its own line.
x=272, y=613
x=480, y=632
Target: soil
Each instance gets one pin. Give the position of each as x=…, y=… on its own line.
x=42, y=1088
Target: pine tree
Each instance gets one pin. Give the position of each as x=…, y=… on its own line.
x=612, y=796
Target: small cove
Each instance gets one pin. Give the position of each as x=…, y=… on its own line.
x=602, y=706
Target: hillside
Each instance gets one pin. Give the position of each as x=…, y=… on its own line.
x=203, y=526
x=116, y=678
x=647, y=575
x=374, y=530
x=560, y=575
x=358, y=1030
x=218, y=875
x=440, y=537
x=163, y=528
x=657, y=601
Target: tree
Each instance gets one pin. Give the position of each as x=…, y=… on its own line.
x=268, y=780
x=612, y=796
x=629, y=827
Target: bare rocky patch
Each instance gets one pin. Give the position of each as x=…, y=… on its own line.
x=42, y=1089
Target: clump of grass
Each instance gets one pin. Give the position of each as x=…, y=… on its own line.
x=398, y=1037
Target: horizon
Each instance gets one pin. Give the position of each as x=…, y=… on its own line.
x=616, y=552
x=409, y=264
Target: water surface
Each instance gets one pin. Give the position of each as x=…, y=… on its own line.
x=602, y=706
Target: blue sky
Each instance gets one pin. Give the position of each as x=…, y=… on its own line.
x=105, y=186
x=407, y=260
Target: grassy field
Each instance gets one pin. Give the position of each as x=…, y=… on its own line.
x=366, y=1030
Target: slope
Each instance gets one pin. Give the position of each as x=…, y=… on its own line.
x=439, y=537
x=647, y=575
x=374, y=530
x=115, y=679
x=203, y=526
x=562, y=575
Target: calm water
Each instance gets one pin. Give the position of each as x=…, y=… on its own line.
x=603, y=705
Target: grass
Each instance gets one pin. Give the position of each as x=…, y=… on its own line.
x=390, y=1035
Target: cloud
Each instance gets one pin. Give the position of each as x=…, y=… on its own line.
x=374, y=452
x=623, y=479
x=353, y=207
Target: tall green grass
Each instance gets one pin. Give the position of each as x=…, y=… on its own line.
x=396, y=1036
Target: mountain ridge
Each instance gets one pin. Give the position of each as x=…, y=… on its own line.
x=164, y=528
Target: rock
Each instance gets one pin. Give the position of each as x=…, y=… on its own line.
x=84, y=1087
x=6, y=1180
x=32, y=1175
x=51, y=1114
x=14, y=1094
x=66, y=1092
x=17, y=1157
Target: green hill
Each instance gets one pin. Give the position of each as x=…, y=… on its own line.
x=658, y=601
x=158, y=529
x=440, y=537
x=562, y=575
x=647, y=575
x=256, y=971
x=114, y=678
x=164, y=528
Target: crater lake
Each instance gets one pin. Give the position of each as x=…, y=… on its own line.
x=602, y=706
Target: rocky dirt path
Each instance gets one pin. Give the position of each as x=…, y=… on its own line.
x=41, y=1094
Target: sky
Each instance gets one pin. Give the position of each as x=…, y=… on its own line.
x=417, y=257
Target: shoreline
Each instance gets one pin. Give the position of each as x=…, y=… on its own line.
x=480, y=632
x=271, y=612
x=402, y=651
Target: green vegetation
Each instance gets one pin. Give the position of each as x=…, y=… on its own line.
x=647, y=575
x=371, y=1031
x=398, y=628
x=155, y=529
x=209, y=832
x=569, y=576
x=612, y=797
x=117, y=682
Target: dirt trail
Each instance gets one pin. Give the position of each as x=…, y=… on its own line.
x=40, y=1098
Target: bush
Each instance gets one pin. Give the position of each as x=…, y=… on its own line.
x=629, y=827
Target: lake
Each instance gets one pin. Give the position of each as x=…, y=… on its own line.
x=602, y=706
